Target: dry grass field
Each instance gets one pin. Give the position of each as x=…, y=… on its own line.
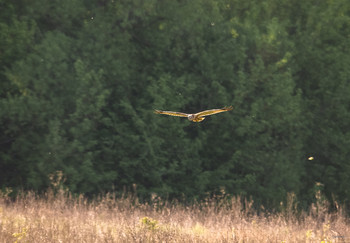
x=62, y=218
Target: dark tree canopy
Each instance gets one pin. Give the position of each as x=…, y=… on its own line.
x=80, y=81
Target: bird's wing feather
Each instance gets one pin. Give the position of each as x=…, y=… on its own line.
x=213, y=111
x=171, y=113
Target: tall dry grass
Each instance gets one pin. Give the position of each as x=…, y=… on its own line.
x=62, y=218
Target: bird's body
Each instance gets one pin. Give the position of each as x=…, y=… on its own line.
x=196, y=117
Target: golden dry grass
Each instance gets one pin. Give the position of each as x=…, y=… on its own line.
x=62, y=218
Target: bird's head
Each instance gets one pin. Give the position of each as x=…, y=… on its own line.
x=191, y=117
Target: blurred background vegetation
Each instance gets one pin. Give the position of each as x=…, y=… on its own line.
x=79, y=81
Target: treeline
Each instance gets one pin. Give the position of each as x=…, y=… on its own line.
x=79, y=81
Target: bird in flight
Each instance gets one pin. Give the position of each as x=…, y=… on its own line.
x=196, y=117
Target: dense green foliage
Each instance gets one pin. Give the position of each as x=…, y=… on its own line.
x=80, y=80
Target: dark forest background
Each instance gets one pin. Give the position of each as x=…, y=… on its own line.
x=79, y=81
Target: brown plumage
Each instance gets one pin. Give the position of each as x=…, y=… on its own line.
x=197, y=117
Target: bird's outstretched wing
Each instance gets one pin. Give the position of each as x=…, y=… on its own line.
x=213, y=111
x=171, y=113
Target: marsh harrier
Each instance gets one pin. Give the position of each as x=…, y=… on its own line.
x=197, y=117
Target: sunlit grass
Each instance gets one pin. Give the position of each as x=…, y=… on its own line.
x=62, y=218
